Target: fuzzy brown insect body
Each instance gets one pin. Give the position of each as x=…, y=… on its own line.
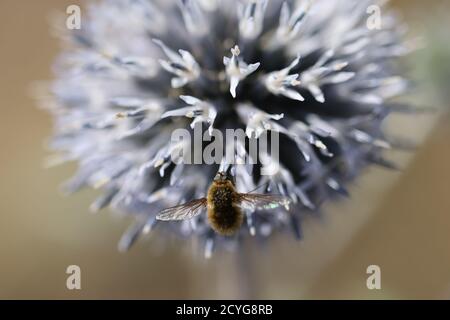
x=224, y=213
x=224, y=205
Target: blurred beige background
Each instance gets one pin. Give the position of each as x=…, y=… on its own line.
x=399, y=221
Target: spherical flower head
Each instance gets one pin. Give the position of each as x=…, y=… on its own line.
x=313, y=72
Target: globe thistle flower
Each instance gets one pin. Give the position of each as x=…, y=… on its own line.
x=311, y=71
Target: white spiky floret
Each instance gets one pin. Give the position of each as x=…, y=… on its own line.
x=290, y=23
x=200, y=111
x=279, y=82
x=236, y=69
x=183, y=65
x=251, y=17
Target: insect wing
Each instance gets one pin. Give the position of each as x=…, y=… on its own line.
x=254, y=201
x=184, y=211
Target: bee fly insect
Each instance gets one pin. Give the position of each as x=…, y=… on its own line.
x=224, y=206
